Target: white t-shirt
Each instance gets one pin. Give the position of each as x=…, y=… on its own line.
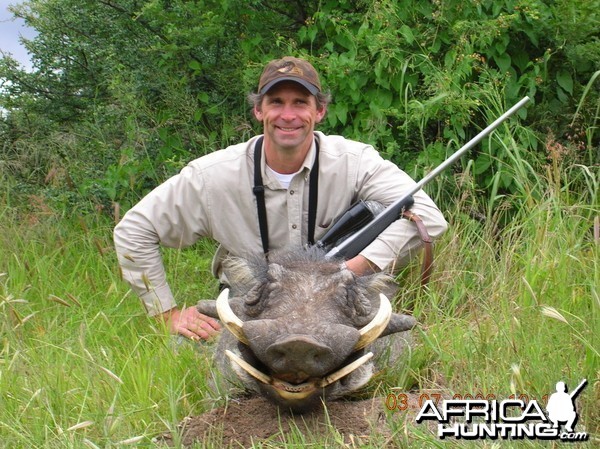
x=283, y=178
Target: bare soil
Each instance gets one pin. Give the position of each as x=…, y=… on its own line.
x=245, y=421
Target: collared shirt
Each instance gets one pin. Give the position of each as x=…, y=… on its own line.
x=212, y=197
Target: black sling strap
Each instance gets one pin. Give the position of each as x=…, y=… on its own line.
x=313, y=194
x=259, y=192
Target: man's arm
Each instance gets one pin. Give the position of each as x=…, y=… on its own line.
x=360, y=266
x=163, y=217
x=382, y=181
x=137, y=246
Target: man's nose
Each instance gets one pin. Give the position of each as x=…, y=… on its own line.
x=288, y=113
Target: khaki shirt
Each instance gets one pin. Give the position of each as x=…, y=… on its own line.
x=212, y=197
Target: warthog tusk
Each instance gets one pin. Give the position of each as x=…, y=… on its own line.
x=287, y=390
x=258, y=375
x=228, y=318
x=345, y=370
x=371, y=331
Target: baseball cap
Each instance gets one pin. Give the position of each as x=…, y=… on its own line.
x=289, y=68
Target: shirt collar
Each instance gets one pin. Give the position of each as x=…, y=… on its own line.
x=310, y=157
x=269, y=178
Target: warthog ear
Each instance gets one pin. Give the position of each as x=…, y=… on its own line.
x=374, y=284
x=399, y=323
x=240, y=274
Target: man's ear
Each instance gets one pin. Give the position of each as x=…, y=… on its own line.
x=258, y=113
x=321, y=113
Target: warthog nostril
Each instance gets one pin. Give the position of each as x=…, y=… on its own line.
x=299, y=353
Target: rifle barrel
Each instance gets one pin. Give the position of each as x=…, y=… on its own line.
x=577, y=390
x=470, y=144
x=361, y=239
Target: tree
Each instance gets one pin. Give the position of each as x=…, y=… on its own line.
x=141, y=86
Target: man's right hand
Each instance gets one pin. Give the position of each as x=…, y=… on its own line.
x=190, y=323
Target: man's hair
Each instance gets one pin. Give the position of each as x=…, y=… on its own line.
x=322, y=98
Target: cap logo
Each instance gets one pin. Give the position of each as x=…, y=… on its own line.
x=291, y=69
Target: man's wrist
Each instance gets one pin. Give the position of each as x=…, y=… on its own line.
x=360, y=266
x=166, y=315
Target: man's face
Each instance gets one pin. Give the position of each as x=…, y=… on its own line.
x=289, y=114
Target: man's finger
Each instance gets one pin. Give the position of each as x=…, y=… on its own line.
x=207, y=319
x=188, y=334
x=211, y=322
x=196, y=332
x=205, y=331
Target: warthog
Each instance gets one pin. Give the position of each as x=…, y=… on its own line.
x=301, y=328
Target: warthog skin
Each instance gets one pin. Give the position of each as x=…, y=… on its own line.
x=301, y=318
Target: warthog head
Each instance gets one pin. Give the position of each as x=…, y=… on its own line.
x=303, y=326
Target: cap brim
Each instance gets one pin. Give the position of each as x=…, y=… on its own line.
x=310, y=87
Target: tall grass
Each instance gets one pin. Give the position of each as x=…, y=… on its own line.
x=515, y=309
x=80, y=364
x=512, y=310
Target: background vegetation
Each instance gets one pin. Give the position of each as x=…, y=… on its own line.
x=124, y=92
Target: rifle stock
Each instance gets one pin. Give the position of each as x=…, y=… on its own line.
x=354, y=244
x=354, y=219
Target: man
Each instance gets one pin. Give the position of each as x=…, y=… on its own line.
x=307, y=180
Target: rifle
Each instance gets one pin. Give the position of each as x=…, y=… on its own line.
x=577, y=390
x=358, y=241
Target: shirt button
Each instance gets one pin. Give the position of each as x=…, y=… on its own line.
x=294, y=226
x=291, y=192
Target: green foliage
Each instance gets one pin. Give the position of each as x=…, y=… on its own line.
x=141, y=87
x=418, y=79
x=137, y=88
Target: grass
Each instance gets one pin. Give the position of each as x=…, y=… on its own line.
x=512, y=310
x=79, y=361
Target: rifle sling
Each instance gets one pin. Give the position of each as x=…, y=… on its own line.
x=259, y=192
x=427, y=266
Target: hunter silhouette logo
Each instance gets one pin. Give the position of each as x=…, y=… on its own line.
x=512, y=418
x=561, y=405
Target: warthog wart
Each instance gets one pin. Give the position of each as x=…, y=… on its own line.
x=300, y=328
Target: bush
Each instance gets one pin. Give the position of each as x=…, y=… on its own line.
x=137, y=89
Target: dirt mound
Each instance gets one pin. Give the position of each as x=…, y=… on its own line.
x=246, y=421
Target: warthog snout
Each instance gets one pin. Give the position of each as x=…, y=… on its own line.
x=302, y=355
